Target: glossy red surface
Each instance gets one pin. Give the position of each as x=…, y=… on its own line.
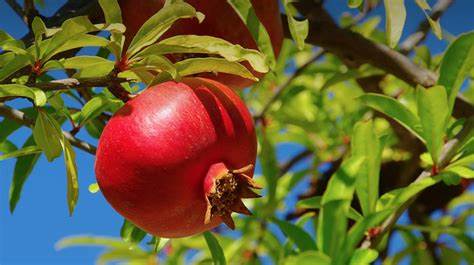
x=155, y=152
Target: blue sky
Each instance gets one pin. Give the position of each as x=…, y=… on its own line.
x=41, y=218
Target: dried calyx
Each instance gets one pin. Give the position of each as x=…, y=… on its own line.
x=227, y=192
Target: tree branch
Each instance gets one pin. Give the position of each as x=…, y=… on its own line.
x=20, y=117
x=16, y=8
x=449, y=151
x=73, y=83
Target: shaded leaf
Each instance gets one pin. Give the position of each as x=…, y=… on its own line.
x=216, y=250
x=131, y=233
x=296, y=234
x=48, y=135
x=28, y=150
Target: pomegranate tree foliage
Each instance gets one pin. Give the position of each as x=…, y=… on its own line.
x=315, y=99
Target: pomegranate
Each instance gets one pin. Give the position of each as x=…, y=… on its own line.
x=177, y=159
x=221, y=21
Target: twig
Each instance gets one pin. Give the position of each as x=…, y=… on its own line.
x=283, y=87
x=448, y=152
x=416, y=38
x=16, y=7
x=73, y=83
x=21, y=118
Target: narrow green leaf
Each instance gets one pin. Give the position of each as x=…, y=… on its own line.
x=110, y=242
x=74, y=42
x=23, y=167
x=29, y=150
x=81, y=62
x=462, y=171
x=7, y=147
x=208, y=45
x=48, y=135
x=457, y=62
x=71, y=171
x=158, y=24
x=131, y=233
x=365, y=143
x=216, y=250
x=399, y=196
x=309, y=258
x=112, y=12
x=394, y=109
x=395, y=20
x=157, y=63
x=200, y=65
x=358, y=230
x=434, y=112
x=269, y=162
x=332, y=222
x=247, y=14
x=423, y=4
x=298, y=29
x=296, y=234
x=315, y=203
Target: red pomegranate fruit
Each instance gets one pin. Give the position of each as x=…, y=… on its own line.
x=221, y=21
x=177, y=159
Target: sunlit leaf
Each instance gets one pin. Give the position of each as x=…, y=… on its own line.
x=29, y=150
x=433, y=111
x=200, y=65
x=296, y=234
x=47, y=134
x=457, y=61
x=247, y=14
x=298, y=29
x=395, y=14
x=309, y=258
x=131, y=233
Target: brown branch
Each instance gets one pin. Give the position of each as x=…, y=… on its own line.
x=73, y=83
x=283, y=87
x=420, y=34
x=20, y=117
x=351, y=46
x=16, y=8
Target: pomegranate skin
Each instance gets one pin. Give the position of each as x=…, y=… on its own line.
x=156, y=151
x=221, y=21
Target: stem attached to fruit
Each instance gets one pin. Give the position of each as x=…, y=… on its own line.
x=226, y=193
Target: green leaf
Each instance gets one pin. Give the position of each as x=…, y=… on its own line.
x=208, y=45
x=296, y=234
x=48, y=135
x=199, y=65
x=399, y=196
x=298, y=29
x=394, y=109
x=92, y=241
x=357, y=231
x=29, y=150
x=332, y=223
x=423, y=4
x=23, y=167
x=157, y=63
x=364, y=257
x=158, y=24
x=309, y=258
x=216, y=250
x=433, y=112
x=7, y=147
x=354, y=3
x=269, y=162
x=462, y=171
x=81, y=62
x=247, y=14
x=365, y=143
x=94, y=107
x=38, y=96
x=457, y=62
x=395, y=20
x=112, y=12
x=71, y=171
x=131, y=233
